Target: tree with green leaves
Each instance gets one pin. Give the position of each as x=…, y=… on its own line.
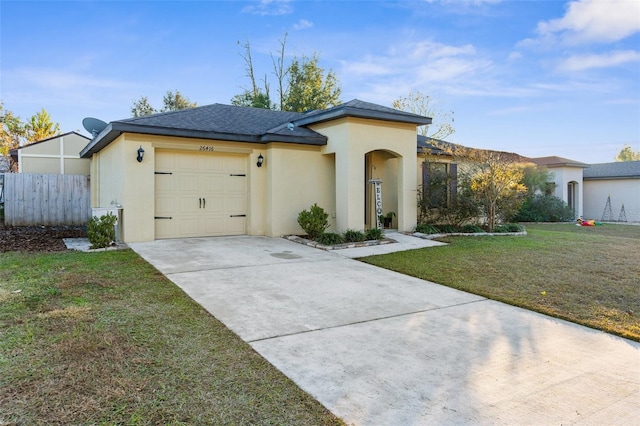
x=627, y=154
x=171, y=102
x=309, y=87
x=40, y=127
x=142, y=107
x=302, y=85
x=418, y=103
x=12, y=131
x=493, y=180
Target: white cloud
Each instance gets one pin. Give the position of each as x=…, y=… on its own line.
x=589, y=21
x=607, y=60
x=269, y=7
x=302, y=24
x=419, y=62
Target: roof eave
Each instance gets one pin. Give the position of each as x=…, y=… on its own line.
x=360, y=113
x=115, y=129
x=304, y=140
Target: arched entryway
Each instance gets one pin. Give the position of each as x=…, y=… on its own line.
x=381, y=165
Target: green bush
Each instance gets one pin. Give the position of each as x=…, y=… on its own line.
x=544, y=208
x=353, y=236
x=329, y=239
x=447, y=229
x=508, y=227
x=101, y=231
x=425, y=228
x=471, y=229
x=314, y=221
x=374, y=234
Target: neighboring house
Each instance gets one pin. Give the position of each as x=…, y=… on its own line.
x=56, y=155
x=619, y=183
x=227, y=170
x=568, y=180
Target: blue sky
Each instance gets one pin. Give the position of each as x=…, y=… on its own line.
x=533, y=77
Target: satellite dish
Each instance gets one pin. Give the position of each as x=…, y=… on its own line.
x=290, y=126
x=93, y=125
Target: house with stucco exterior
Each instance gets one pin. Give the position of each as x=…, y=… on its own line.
x=568, y=179
x=227, y=170
x=617, y=184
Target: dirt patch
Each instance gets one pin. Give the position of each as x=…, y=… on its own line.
x=38, y=238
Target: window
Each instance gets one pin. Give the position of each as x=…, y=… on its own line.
x=439, y=184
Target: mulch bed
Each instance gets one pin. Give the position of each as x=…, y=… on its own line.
x=38, y=238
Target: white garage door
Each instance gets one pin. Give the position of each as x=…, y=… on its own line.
x=200, y=194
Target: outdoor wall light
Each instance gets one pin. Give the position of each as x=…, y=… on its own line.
x=140, y=154
x=260, y=160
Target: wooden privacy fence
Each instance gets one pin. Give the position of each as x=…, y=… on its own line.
x=35, y=199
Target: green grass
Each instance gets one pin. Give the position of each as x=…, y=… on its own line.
x=587, y=275
x=104, y=338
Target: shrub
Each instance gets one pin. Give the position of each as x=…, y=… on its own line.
x=101, y=231
x=471, y=229
x=330, y=238
x=508, y=227
x=543, y=208
x=447, y=229
x=353, y=236
x=374, y=234
x=427, y=229
x=314, y=221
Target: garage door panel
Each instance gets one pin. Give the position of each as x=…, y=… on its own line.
x=200, y=176
x=236, y=205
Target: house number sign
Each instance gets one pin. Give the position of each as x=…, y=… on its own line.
x=206, y=148
x=377, y=189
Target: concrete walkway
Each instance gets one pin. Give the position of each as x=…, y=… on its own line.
x=381, y=348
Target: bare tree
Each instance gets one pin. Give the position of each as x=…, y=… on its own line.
x=418, y=103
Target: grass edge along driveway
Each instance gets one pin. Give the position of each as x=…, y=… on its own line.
x=586, y=275
x=104, y=338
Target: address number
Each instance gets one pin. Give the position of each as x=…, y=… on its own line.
x=206, y=148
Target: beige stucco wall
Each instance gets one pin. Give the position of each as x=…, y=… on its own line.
x=292, y=178
x=350, y=139
x=60, y=155
x=297, y=177
x=562, y=176
x=621, y=191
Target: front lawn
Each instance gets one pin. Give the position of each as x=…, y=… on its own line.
x=104, y=338
x=587, y=275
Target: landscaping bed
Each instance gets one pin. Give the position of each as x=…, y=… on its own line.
x=311, y=243
x=38, y=238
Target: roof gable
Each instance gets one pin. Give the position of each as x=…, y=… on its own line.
x=361, y=109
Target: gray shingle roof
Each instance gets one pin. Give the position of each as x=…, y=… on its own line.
x=244, y=124
x=433, y=146
x=625, y=169
x=218, y=118
x=362, y=109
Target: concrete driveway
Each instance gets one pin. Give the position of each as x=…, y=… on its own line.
x=380, y=348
